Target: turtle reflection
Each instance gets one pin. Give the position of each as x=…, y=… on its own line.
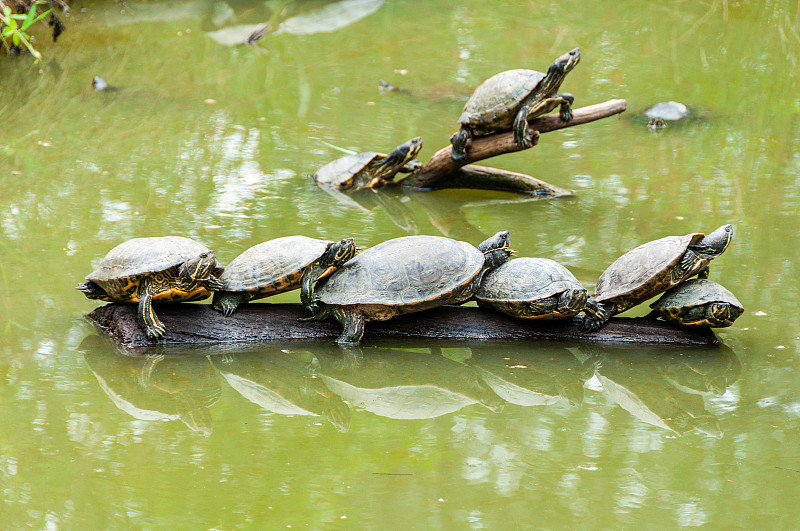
x=282, y=382
x=529, y=377
x=667, y=389
x=156, y=387
x=405, y=384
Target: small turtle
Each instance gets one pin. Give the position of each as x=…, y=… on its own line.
x=698, y=302
x=405, y=275
x=369, y=169
x=651, y=269
x=532, y=288
x=509, y=99
x=147, y=270
x=277, y=266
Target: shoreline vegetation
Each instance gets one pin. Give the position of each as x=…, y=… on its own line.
x=17, y=17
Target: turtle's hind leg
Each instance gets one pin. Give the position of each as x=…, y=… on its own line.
x=353, y=324
x=148, y=319
x=460, y=141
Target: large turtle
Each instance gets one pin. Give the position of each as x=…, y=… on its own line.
x=277, y=266
x=509, y=99
x=651, y=269
x=147, y=270
x=405, y=275
x=532, y=288
x=698, y=302
x=369, y=169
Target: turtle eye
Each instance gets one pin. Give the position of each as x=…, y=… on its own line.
x=204, y=255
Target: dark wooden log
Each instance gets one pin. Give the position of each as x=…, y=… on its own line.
x=484, y=147
x=198, y=324
x=477, y=177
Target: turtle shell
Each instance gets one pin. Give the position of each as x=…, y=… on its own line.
x=526, y=279
x=680, y=300
x=495, y=102
x=340, y=172
x=645, y=271
x=405, y=274
x=274, y=266
x=126, y=264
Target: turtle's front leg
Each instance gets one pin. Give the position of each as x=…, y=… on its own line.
x=148, y=319
x=212, y=283
x=460, y=141
x=566, y=100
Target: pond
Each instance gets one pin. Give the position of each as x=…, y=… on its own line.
x=215, y=140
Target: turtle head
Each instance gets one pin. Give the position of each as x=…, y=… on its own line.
x=715, y=243
x=336, y=255
x=399, y=157
x=197, y=269
x=564, y=64
x=496, y=250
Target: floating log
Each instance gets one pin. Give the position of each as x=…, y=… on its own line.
x=485, y=178
x=198, y=324
x=483, y=147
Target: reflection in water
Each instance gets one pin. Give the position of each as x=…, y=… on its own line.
x=666, y=389
x=403, y=384
x=661, y=387
x=550, y=376
x=156, y=387
x=282, y=382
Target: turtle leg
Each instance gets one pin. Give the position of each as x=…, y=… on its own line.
x=565, y=99
x=92, y=290
x=319, y=310
x=227, y=301
x=353, y=324
x=460, y=141
x=148, y=319
x=597, y=313
x=212, y=283
x=521, y=136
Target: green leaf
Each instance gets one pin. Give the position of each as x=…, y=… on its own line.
x=40, y=17
x=29, y=19
x=15, y=39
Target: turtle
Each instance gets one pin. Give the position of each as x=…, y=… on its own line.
x=405, y=275
x=147, y=270
x=698, y=302
x=369, y=169
x=651, y=269
x=509, y=99
x=277, y=266
x=532, y=288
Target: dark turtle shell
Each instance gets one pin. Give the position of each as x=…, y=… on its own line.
x=643, y=272
x=495, y=102
x=512, y=287
x=126, y=264
x=405, y=274
x=342, y=172
x=687, y=304
x=274, y=266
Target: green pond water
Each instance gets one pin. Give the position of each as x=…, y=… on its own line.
x=215, y=141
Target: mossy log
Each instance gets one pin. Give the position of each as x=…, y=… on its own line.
x=198, y=324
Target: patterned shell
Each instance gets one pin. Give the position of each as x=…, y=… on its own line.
x=526, y=279
x=271, y=261
x=496, y=101
x=141, y=256
x=646, y=268
x=694, y=293
x=404, y=271
x=340, y=170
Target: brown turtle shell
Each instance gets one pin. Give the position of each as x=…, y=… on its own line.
x=645, y=271
x=405, y=274
x=273, y=266
x=496, y=101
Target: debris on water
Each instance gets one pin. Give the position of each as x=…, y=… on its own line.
x=210, y=101
x=257, y=34
x=760, y=313
x=99, y=83
x=383, y=86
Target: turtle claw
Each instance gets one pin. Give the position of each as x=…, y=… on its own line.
x=566, y=115
x=214, y=284
x=156, y=331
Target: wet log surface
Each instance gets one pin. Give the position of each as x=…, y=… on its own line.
x=198, y=324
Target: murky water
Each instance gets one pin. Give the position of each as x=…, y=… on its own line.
x=215, y=142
